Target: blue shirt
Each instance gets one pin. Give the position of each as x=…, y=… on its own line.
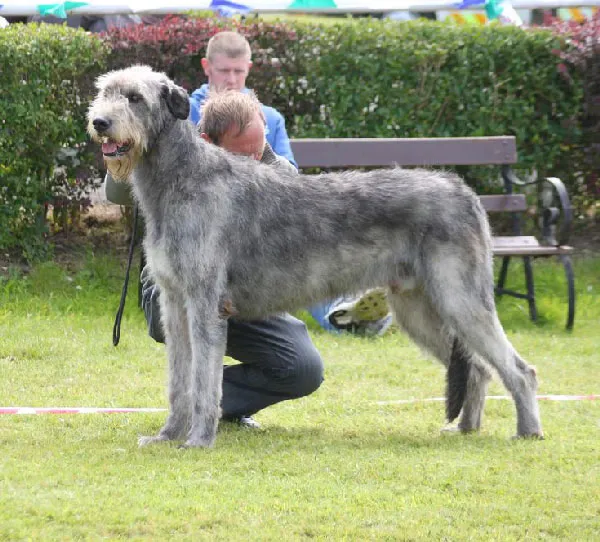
x=275, y=131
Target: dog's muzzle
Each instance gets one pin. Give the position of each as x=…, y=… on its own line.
x=110, y=147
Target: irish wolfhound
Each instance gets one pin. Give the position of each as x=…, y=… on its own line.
x=229, y=236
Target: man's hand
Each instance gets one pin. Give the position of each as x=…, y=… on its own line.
x=150, y=306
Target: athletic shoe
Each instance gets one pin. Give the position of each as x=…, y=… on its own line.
x=247, y=422
x=353, y=313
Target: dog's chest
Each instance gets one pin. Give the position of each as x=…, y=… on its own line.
x=161, y=266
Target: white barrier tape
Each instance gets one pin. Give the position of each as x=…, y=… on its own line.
x=500, y=397
x=74, y=410
x=120, y=410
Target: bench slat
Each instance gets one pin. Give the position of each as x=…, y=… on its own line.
x=525, y=245
x=515, y=241
x=534, y=251
x=503, y=203
x=381, y=152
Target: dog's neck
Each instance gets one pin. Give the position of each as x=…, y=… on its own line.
x=153, y=176
x=154, y=179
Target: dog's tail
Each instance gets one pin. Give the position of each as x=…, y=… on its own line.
x=457, y=377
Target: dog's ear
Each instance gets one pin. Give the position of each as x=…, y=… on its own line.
x=177, y=101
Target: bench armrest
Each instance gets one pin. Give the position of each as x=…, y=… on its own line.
x=556, y=212
x=510, y=179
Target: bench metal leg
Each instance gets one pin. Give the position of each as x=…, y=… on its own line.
x=530, y=288
x=502, y=275
x=530, y=295
x=567, y=264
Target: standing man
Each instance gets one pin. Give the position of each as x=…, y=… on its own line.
x=227, y=64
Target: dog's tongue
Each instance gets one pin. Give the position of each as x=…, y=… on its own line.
x=109, y=148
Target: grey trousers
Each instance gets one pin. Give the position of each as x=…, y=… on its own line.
x=278, y=361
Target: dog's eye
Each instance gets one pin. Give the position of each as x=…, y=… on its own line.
x=134, y=98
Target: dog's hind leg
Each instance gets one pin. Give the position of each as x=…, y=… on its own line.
x=466, y=380
x=175, y=323
x=487, y=338
x=208, y=334
x=463, y=295
x=417, y=317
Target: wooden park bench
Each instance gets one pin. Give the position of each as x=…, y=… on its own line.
x=554, y=211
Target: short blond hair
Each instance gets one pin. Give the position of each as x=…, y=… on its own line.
x=228, y=109
x=230, y=44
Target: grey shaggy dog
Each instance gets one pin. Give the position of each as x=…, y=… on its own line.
x=228, y=236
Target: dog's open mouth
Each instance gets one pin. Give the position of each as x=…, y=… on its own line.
x=115, y=148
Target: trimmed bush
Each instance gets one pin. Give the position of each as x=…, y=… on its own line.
x=374, y=78
x=44, y=70
x=366, y=78
x=426, y=79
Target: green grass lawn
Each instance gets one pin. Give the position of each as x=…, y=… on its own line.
x=333, y=466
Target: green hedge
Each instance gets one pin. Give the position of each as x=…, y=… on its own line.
x=426, y=79
x=43, y=69
x=372, y=78
x=366, y=78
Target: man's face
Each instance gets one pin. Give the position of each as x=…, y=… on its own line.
x=251, y=142
x=225, y=73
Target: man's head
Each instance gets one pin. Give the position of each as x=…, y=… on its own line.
x=235, y=121
x=227, y=61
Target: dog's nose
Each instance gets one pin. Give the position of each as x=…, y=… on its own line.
x=101, y=124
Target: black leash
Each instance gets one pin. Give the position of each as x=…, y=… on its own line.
x=117, y=326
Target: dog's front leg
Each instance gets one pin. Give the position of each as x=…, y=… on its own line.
x=208, y=333
x=175, y=323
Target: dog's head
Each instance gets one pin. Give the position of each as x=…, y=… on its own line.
x=130, y=110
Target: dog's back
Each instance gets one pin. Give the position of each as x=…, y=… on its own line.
x=327, y=235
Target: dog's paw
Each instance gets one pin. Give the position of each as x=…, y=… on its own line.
x=457, y=430
x=530, y=436
x=450, y=430
x=203, y=442
x=145, y=441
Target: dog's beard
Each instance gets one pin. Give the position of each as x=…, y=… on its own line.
x=121, y=167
